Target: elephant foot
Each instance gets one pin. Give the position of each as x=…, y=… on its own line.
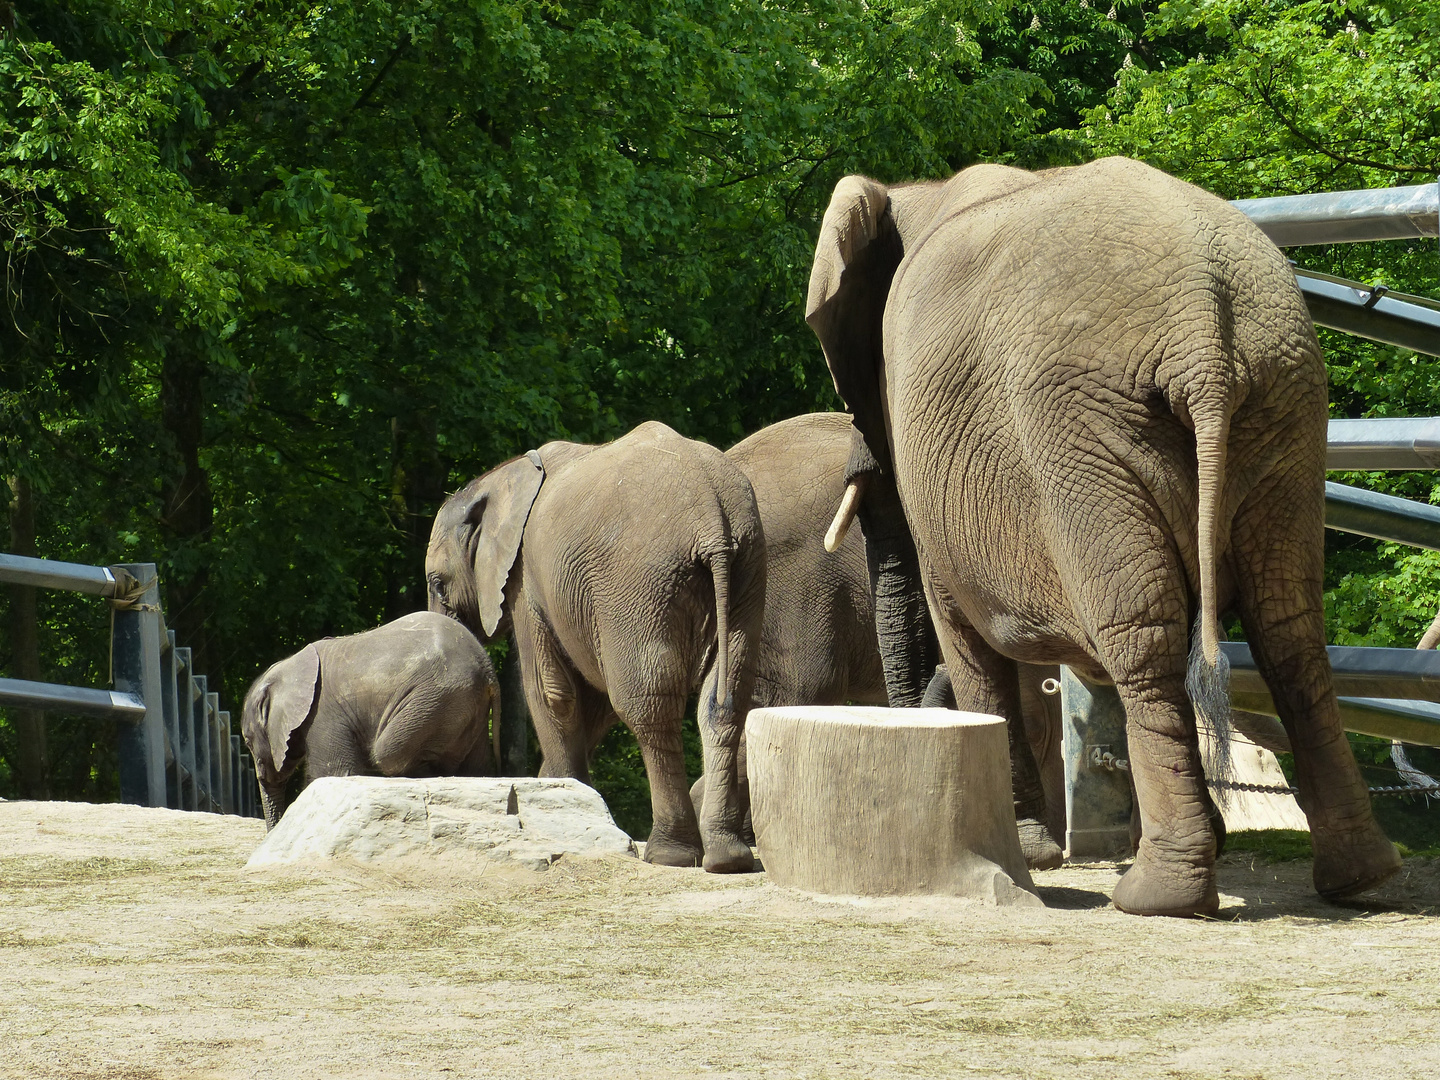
x=1352, y=862
x=669, y=851
x=1155, y=887
x=728, y=856
x=1038, y=846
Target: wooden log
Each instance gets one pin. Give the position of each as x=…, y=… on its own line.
x=883, y=802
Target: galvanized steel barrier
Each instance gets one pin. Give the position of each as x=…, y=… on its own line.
x=1405, y=682
x=177, y=748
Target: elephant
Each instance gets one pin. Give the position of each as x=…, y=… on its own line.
x=633, y=574
x=1094, y=401
x=818, y=643
x=415, y=697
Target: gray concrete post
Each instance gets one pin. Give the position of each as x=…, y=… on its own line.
x=1097, y=777
x=169, y=679
x=217, y=755
x=135, y=646
x=204, y=792
x=185, y=692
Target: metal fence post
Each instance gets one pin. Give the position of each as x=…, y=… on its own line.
x=169, y=680
x=199, y=709
x=1097, y=778
x=135, y=645
x=227, y=759
x=237, y=792
x=185, y=719
x=217, y=762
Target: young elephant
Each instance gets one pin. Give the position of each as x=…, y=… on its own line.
x=410, y=698
x=634, y=572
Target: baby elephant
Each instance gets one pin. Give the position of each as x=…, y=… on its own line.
x=410, y=698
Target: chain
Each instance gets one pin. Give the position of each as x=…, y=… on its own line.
x=1278, y=789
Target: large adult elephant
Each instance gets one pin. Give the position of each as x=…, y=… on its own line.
x=1097, y=396
x=634, y=574
x=818, y=644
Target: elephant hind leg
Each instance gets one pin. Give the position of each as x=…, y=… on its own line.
x=655, y=719
x=981, y=680
x=1280, y=601
x=1174, y=868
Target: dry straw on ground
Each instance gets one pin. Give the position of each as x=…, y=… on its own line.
x=135, y=945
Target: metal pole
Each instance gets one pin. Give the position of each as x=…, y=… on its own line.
x=200, y=706
x=227, y=763
x=1345, y=217
x=136, y=645
x=185, y=708
x=237, y=793
x=174, y=770
x=217, y=760
x=1098, y=803
x=1411, y=443
x=1384, y=517
x=1374, y=312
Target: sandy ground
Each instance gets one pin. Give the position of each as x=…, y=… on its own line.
x=134, y=945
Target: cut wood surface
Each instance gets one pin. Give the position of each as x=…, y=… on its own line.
x=884, y=802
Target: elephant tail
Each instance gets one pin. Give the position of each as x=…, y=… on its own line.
x=719, y=562
x=1207, y=675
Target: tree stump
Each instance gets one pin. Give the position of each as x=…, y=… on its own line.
x=886, y=802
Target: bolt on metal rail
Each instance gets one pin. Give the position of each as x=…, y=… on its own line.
x=177, y=748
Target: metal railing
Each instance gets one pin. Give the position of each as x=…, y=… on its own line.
x=176, y=745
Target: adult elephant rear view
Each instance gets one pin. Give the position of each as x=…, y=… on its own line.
x=1098, y=396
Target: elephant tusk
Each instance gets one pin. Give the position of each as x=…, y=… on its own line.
x=849, y=504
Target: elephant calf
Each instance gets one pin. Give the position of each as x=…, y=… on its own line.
x=410, y=698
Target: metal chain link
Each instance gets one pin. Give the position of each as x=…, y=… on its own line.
x=1277, y=789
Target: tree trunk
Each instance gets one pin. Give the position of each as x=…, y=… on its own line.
x=417, y=488
x=32, y=765
x=189, y=512
x=884, y=802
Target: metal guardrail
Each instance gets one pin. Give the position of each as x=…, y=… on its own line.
x=1384, y=517
x=1371, y=311
x=1347, y=217
x=177, y=748
x=1384, y=444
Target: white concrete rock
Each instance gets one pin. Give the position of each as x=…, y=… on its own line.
x=525, y=820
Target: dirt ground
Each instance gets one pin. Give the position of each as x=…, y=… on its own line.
x=134, y=945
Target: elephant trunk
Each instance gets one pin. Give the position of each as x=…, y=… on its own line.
x=273, y=805
x=908, y=647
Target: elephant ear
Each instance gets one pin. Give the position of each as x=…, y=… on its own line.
x=496, y=520
x=855, y=260
x=285, y=701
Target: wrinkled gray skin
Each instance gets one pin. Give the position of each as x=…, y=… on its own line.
x=818, y=643
x=634, y=574
x=411, y=698
x=1097, y=395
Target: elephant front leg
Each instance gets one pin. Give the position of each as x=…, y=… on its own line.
x=1174, y=868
